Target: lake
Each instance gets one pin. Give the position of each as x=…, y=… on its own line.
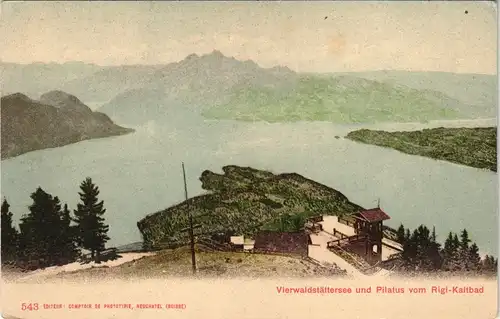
x=141, y=173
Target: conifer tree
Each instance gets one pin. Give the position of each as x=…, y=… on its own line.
x=464, y=240
x=410, y=251
x=433, y=235
x=400, y=234
x=474, y=258
x=92, y=232
x=455, y=243
x=448, y=249
x=407, y=234
x=422, y=251
x=10, y=235
x=40, y=230
x=68, y=244
x=489, y=264
x=434, y=253
x=451, y=253
x=463, y=250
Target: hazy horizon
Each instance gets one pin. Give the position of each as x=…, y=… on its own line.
x=163, y=64
x=307, y=37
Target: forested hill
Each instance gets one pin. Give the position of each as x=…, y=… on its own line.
x=57, y=119
x=244, y=200
x=474, y=147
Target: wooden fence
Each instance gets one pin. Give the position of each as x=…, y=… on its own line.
x=344, y=239
x=315, y=219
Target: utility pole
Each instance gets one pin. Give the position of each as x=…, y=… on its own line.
x=191, y=232
x=378, y=203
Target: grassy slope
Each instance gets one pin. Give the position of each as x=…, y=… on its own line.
x=341, y=99
x=475, y=147
x=210, y=264
x=242, y=201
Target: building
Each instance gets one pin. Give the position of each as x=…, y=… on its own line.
x=240, y=243
x=294, y=243
x=364, y=236
x=369, y=224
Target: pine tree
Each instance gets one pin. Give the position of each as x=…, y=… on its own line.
x=463, y=249
x=92, y=232
x=455, y=243
x=489, y=264
x=449, y=253
x=421, y=251
x=407, y=234
x=400, y=234
x=68, y=244
x=10, y=235
x=410, y=250
x=464, y=240
x=448, y=249
x=422, y=236
x=433, y=235
x=40, y=230
x=434, y=252
x=474, y=258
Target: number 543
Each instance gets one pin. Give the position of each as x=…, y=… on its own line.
x=29, y=306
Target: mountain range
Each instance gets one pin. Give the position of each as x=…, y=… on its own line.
x=221, y=87
x=56, y=119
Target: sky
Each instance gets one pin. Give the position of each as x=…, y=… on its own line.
x=449, y=36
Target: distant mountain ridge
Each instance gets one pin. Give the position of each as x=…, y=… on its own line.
x=222, y=87
x=197, y=82
x=57, y=119
x=472, y=89
x=37, y=78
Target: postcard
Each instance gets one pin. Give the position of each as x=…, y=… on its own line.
x=253, y=160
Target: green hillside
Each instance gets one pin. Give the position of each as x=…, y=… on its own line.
x=243, y=201
x=341, y=99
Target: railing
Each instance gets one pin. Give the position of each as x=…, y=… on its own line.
x=315, y=228
x=215, y=245
x=315, y=219
x=345, y=221
x=389, y=234
x=338, y=234
x=344, y=239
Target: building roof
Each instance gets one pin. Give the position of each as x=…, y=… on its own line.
x=373, y=215
x=282, y=242
x=238, y=240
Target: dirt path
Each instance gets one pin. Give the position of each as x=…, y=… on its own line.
x=319, y=252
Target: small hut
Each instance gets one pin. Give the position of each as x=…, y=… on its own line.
x=369, y=224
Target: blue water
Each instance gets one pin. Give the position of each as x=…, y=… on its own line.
x=141, y=173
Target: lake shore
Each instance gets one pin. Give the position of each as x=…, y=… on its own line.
x=474, y=147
